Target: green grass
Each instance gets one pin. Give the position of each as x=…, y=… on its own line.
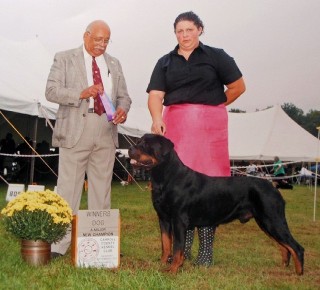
x=245, y=258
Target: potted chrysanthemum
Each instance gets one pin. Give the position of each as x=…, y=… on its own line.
x=38, y=218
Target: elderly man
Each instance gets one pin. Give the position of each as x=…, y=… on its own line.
x=86, y=138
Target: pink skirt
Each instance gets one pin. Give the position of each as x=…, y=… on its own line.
x=200, y=136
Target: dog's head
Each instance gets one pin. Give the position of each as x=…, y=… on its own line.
x=150, y=151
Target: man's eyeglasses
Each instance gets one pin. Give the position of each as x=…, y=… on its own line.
x=100, y=40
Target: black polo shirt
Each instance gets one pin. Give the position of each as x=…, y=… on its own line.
x=198, y=80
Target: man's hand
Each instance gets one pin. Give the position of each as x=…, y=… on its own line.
x=119, y=116
x=92, y=91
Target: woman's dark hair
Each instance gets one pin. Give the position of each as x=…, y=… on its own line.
x=189, y=16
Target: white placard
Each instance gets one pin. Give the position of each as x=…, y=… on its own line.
x=96, y=238
x=34, y=187
x=14, y=190
x=55, y=189
x=98, y=252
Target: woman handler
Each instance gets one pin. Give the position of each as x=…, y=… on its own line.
x=194, y=83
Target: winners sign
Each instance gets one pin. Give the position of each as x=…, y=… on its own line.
x=96, y=238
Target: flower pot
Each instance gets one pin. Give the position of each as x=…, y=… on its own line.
x=35, y=253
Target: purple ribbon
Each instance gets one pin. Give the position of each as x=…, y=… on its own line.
x=108, y=106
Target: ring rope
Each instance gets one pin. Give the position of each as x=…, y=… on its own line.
x=33, y=150
x=28, y=155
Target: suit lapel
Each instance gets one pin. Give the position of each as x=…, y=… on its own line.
x=78, y=62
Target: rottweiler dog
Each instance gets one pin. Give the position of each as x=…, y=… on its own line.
x=184, y=199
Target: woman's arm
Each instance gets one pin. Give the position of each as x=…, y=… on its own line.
x=234, y=90
x=155, y=107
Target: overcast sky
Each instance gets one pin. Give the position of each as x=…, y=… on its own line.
x=276, y=43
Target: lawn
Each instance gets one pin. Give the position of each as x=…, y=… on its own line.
x=245, y=258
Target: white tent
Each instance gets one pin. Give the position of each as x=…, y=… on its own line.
x=265, y=134
x=24, y=70
x=138, y=122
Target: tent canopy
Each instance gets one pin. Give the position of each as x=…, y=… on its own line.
x=265, y=134
x=24, y=70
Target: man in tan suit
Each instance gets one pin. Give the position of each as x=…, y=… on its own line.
x=87, y=140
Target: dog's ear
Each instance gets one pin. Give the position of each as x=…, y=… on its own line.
x=166, y=146
x=160, y=146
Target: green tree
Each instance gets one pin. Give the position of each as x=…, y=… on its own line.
x=309, y=122
x=294, y=113
x=312, y=121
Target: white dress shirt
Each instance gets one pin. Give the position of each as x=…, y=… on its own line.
x=104, y=71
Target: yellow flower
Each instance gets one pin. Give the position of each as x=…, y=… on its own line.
x=45, y=215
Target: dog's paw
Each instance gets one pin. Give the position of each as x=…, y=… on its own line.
x=170, y=270
x=166, y=259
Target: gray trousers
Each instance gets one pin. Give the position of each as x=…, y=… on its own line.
x=94, y=155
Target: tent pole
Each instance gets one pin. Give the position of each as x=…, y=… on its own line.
x=34, y=144
x=316, y=180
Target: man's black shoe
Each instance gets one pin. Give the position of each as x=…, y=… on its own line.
x=55, y=255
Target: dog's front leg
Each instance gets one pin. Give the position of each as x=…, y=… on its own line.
x=179, y=237
x=166, y=240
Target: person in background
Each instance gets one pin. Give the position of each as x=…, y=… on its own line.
x=252, y=168
x=278, y=172
x=87, y=141
x=194, y=83
x=24, y=148
x=7, y=146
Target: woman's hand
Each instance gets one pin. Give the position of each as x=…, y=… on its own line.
x=158, y=127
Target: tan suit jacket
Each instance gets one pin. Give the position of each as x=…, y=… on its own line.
x=66, y=80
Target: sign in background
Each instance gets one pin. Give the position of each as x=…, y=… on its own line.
x=14, y=190
x=96, y=238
